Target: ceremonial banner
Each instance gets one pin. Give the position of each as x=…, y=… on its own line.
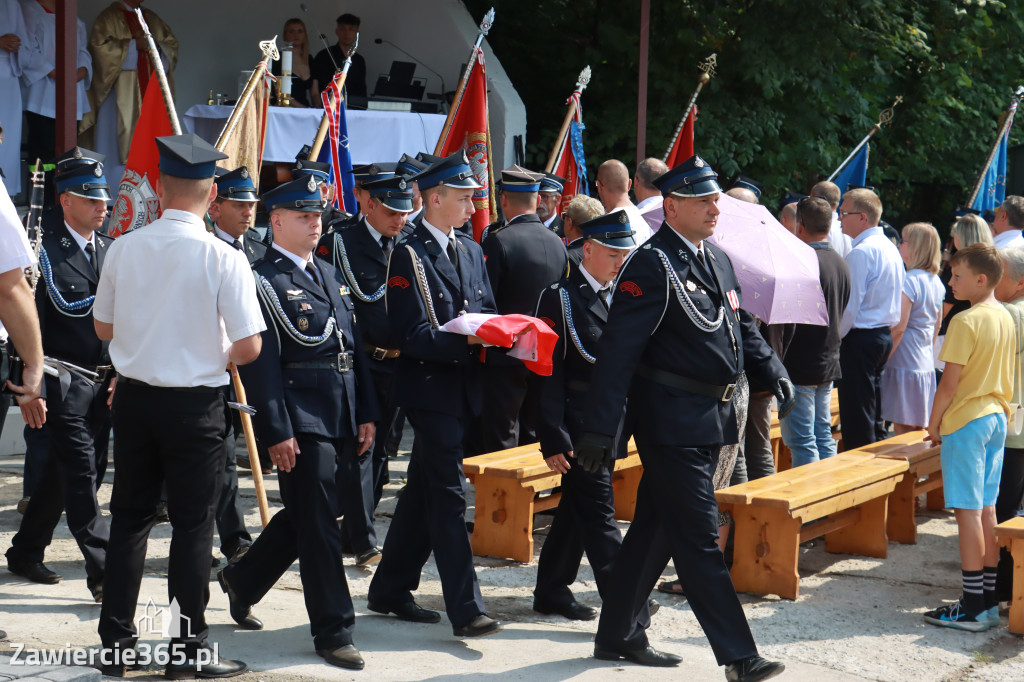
x=470, y=131
x=337, y=153
x=245, y=145
x=571, y=162
x=855, y=172
x=530, y=339
x=137, y=203
x=992, y=191
x=683, y=147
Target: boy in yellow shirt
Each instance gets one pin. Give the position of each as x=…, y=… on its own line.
x=969, y=420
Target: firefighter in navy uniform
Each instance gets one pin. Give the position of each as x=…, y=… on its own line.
x=332, y=217
x=232, y=210
x=549, y=209
x=523, y=258
x=315, y=409
x=577, y=309
x=360, y=253
x=436, y=274
x=78, y=420
x=675, y=342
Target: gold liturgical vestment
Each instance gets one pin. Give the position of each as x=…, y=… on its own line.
x=109, y=43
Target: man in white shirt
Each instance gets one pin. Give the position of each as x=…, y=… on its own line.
x=876, y=284
x=648, y=197
x=1006, y=228
x=613, y=187
x=177, y=307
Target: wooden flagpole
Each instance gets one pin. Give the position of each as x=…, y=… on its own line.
x=707, y=68
x=161, y=77
x=270, y=53
x=325, y=120
x=883, y=118
x=581, y=84
x=485, y=26
x=1005, y=121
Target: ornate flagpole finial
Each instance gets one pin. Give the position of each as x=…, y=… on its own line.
x=269, y=49
x=707, y=67
x=355, y=46
x=885, y=117
x=584, y=78
x=488, y=21
x=1018, y=94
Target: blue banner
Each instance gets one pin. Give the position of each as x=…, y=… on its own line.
x=341, y=159
x=855, y=172
x=993, y=184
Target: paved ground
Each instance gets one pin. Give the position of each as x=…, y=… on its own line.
x=856, y=618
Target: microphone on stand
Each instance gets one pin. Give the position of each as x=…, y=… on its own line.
x=382, y=40
x=323, y=39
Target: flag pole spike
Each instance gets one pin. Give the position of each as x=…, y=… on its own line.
x=884, y=118
x=485, y=27
x=707, y=70
x=581, y=84
x=270, y=53
x=1005, y=122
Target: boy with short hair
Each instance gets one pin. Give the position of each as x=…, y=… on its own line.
x=969, y=420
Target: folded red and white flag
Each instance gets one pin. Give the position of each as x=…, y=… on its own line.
x=530, y=339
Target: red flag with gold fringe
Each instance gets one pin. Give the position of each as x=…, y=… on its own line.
x=683, y=148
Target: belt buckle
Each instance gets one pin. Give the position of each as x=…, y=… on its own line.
x=728, y=392
x=344, y=364
x=379, y=353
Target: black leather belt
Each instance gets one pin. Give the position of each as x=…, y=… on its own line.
x=342, y=362
x=128, y=381
x=102, y=371
x=378, y=353
x=722, y=393
x=574, y=385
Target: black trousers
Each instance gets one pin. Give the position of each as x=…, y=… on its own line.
x=37, y=451
x=77, y=428
x=676, y=516
x=173, y=437
x=862, y=358
x=230, y=519
x=509, y=407
x=307, y=530
x=389, y=428
x=431, y=516
x=1009, y=504
x=584, y=521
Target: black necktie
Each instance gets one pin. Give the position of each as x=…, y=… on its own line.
x=315, y=274
x=237, y=244
x=90, y=250
x=385, y=245
x=700, y=257
x=453, y=253
x=602, y=294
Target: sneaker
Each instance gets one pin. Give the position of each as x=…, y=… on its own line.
x=955, y=616
x=991, y=615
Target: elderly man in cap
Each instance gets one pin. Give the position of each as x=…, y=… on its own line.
x=171, y=345
x=549, y=205
x=675, y=342
x=315, y=409
x=361, y=254
x=78, y=420
x=577, y=307
x=436, y=274
x=523, y=257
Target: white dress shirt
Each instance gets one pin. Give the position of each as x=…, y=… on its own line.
x=15, y=252
x=1008, y=239
x=178, y=300
x=80, y=240
x=637, y=223
x=876, y=282
x=440, y=236
x=839, y=241
x=374, y=234
x=653, y=211
x=40, y=91
x=299, y=261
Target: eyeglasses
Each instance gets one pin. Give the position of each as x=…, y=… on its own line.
x=843, y=214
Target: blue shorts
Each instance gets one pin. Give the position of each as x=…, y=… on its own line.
x=972, y=462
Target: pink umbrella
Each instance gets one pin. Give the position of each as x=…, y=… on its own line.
x=777, y=271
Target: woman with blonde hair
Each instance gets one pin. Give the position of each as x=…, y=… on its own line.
x=908, y=382
x=304, y=90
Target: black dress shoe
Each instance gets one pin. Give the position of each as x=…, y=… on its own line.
x=97, y=590
x=204, y=668
x=33, y=570
x=368, y=558
x=653, y=606
x=572, y=610
x=481, y=626
x=237, y=555
x=410, y=611
x=347, y=656
x=753, y=669
x=649, y=656
x=240, y=613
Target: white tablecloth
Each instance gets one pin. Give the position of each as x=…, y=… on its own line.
x=374, y=135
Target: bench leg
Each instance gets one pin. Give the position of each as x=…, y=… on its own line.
x=503, y=522
x=936, y=498
x=625, y=484
x=765, y=552
x=902, y=525
x=866, y=536
x=1017, y=603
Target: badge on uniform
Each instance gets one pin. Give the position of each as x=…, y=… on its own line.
x=302, y=323
x=343, y=290
x=305, y=306
x=690, y=286
x=734, y=300
x=295, y=294
x=65, y=242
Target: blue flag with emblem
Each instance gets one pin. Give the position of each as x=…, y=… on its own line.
x=855, y=172
x=337, y=154
x=992, y=189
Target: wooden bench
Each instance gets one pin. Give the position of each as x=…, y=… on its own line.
x=848, y=497
x=783, y=457
x=924, y=475
x=508, y=488
x=1011, y=535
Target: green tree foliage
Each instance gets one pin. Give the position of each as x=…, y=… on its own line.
x=799, y=83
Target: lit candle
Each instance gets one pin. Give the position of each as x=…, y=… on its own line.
x=286, y=69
